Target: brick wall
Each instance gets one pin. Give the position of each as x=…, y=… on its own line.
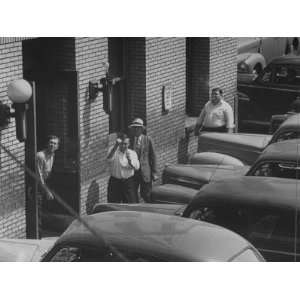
x=223, y=66
x=211, y=62
x=165, y=65
x=12, y=187
x=94, y=122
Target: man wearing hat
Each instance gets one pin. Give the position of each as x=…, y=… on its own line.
x=144, y=147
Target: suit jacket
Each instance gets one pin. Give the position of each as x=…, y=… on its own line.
x=147, y=157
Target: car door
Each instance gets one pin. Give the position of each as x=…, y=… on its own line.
x=273, y=233
x=256, y=94
x=271, y=93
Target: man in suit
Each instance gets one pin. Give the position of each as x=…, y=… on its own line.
x=144, y=147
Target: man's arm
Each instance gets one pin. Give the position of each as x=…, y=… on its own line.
x=152, y=159
x=39, y=164
x=229, y=118
x=113, y=150
x=133, y=161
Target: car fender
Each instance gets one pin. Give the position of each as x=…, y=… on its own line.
x=214, y=158
x=252, y=59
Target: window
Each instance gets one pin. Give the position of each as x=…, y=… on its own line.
x=233, y=218
x=273, y=231
x=77, y=254
x=266, y=76
x=287, y=75
x=289, y=135
x=93, y=254
x=277, y=169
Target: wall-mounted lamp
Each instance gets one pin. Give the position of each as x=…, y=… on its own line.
x=19, y=92
x=105, y=85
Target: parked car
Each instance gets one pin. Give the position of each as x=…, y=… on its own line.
x=263, y=210
x=142, y=236
x=242, y=146
x=271, y=93
x=18, y=250
x=255, y=52
x=277, y=160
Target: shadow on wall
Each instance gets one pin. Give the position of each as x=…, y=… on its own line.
x=92, y=197
x=86, y=119
x=183, y=149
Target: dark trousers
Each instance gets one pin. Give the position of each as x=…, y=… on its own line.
x=122, y=190
x=145, y=187
x=215, y=129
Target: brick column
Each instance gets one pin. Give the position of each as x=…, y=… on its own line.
x=211, y=62
x=166, y=64
x=12, y=185
x=223, y=66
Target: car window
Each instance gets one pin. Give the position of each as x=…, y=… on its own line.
x=90, y=254
x=273, y=231
x=266, y=76
x=233, y=218
x=277, y=169
x=289, y=135
x=247, y=256
x=287, y=75
x=77, y=254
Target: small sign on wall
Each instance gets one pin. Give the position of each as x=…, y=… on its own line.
x=167, y=97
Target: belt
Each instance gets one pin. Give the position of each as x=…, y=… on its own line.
x=219, y=128
x=121, y=179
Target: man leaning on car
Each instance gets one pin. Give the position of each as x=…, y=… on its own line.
x=216, y=116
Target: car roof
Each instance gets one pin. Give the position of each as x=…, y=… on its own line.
x=254, y=191
x=287, y=59
x=288, y=150
x=172, y=237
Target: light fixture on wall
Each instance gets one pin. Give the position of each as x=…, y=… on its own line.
x=105, y=85
x=19, y=92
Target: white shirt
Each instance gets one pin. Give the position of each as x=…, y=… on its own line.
x=216, y=115
x=44, y=164
x=119, y=166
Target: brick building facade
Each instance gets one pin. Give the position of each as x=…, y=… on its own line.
x=62, y=69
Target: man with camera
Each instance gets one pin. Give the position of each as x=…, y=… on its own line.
x=122, y=164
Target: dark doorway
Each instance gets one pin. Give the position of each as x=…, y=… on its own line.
x=117, y=59
x=56, y=113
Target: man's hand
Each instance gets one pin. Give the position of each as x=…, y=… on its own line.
x=128, y=156
x=49, y=195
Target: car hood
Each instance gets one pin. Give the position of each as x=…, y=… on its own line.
x=245, y=147
x=255, y=141
x=195, y=176
x=22, y=250
x=165, y=209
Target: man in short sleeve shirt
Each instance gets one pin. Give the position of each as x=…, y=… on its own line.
x=216, y=116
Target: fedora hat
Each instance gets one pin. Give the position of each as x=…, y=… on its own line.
x=137, y=122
